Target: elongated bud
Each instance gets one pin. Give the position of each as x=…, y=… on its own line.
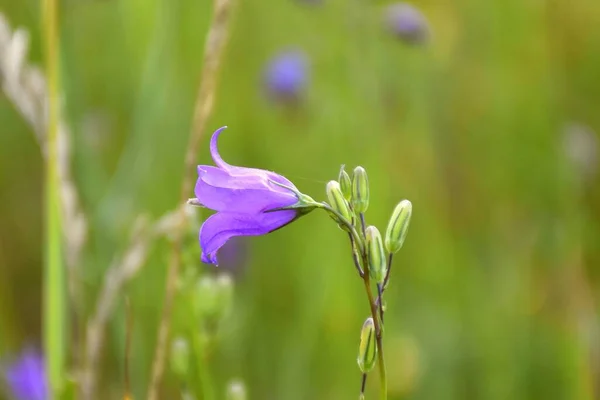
x=367, y=348
x=398, y=226
x=180, y=357
x=345, y=183
x=376, y=254
x=360, y=190
x=337, y=200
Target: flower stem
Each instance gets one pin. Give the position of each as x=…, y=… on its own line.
x=216, y=40
x=381, y=287
x=355, y=257
x=378, y=337
x=363, y=224
x=202, y=378
x=54, y=302
x=358, y=240
x=379, y=301
x=387, y=273
x=363, y=384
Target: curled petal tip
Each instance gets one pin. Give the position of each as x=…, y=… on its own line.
x=214, y=151
x=208, y=259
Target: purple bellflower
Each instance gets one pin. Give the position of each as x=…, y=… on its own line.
x=26, y=377
x=286, y=76
x=407, y=23
x=248, y=201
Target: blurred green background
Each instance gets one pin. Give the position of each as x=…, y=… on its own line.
x=488, y=129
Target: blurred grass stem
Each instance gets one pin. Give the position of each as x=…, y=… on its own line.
x=121, y=271
x=202, y=377
x=54, y=304
x=215, y=44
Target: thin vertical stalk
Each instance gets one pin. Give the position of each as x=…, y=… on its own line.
x=216, y=40
x=378, y=336
x=358, y=241
x=363, y=385
x=202, y=376
x=54, y=285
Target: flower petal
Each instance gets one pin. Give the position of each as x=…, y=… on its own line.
x=242, y=171
x=214, y=150
x=220, y=227
x=219, y=190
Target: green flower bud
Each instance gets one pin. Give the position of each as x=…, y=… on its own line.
x=236, y=390
x=206, y=297
x=367, y=348
x=398, y=226
x=345, y=183
x=376, y=254
x=360, y=190
x=337, y=200
x=180, y=357
x=213, y=296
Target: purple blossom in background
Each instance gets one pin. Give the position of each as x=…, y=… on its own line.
x=26, y=377
x=407, y=23
x=247, y=201
x=286, y=76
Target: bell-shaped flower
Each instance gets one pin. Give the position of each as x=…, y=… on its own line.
x=248, y=201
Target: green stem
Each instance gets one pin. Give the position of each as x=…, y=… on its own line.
x=351, y=229
x=361, y=272
x=355, y=238
x=54, y=286
x=379, y=337
x=206, y=390
x=54, y=273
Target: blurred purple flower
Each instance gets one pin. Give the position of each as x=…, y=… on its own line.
x=26, y=377
x=248, y=202
x=286, y=76
x=407, y=23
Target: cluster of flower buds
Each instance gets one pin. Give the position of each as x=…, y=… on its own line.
x=348, y=200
